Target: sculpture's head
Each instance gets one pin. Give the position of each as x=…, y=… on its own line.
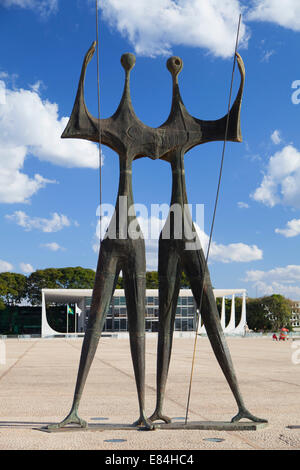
x=128, y=61
x=174, y=65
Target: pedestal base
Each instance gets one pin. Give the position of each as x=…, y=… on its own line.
x=200, y=425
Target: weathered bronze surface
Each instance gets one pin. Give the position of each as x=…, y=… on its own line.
x=200, y=425
x=131, y=139
x=175, y=257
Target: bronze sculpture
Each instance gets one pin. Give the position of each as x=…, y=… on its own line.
x=131, y=139
x=174, y=257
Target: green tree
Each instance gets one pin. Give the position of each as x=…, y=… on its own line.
x=269, y=313
x=77, y=278
x=58, y=278
x=279, y=309
x=42, y=279
x=152, y=280
x=13, y=288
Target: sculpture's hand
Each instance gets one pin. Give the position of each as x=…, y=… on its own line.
x=241, y=65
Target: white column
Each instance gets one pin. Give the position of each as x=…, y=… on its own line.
x=46, y=328
x=231, y=325
x=201, y=329
x=223, y=313
x=80, y=308
x=240, y=329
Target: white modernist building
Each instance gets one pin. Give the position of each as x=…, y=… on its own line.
x=116, y=320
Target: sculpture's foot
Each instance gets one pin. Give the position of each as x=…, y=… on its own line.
x=144, y=422
x=243, y=413
x=157, y=415
x=72, y=418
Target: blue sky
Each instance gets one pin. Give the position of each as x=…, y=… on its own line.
x=49, y=188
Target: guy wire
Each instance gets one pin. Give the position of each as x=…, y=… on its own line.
x=99, y=122
x=213, y=220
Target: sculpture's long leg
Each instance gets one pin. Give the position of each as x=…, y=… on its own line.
x=134, y=274
x=105, y=281
x=194, y=264
x=169, y=270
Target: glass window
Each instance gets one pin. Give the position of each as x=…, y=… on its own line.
x=184, y=300
x=184, y=312
x=184, y=325
x=117, y=311
x=150, y=312
x=150, y=300
x=191, y=311
x=116, y=300
x=123, y=312
x=178, y=324
x=122, y=300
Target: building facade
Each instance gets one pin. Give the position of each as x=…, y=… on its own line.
x=116, y=319
x=296, y=315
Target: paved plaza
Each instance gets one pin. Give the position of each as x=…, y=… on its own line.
x=37, y=384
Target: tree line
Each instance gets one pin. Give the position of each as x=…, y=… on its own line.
x=269, y=313
x=16, y=288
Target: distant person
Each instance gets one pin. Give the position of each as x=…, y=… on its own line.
x=275, y=337
x=246, y=329
x=283, y=335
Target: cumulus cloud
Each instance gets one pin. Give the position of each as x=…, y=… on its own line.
x=280, y=184
x=30, y=125
x=43, y=7
x=153, y=28
x=243, y=205
x=286, y=14
x=54, y=224
x=280, y=280
x=26, y=268
x=275, y=137
x=292, y=229
x=53, y=246
x=5, y=266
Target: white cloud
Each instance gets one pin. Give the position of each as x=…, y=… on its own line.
x=43, y=7
x=284, y=13
x=153, y=28
x=54, y=224
x=243, y=205
x=292, y=229
x=281, y=280
x=280, y=184
x=275, y=137
x=26, y=268
x=283, y=274
x=266, y=55
x=5, y=266
x=30, y=125
x=53, y=246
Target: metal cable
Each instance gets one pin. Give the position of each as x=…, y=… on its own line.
x=213, y=219
x=99, y=123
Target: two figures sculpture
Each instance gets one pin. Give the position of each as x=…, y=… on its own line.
x=131, y=139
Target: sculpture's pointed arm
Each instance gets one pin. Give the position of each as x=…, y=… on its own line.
x=82, y=125
x=215, y=130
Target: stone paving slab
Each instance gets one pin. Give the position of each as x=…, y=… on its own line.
x=37, y=384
